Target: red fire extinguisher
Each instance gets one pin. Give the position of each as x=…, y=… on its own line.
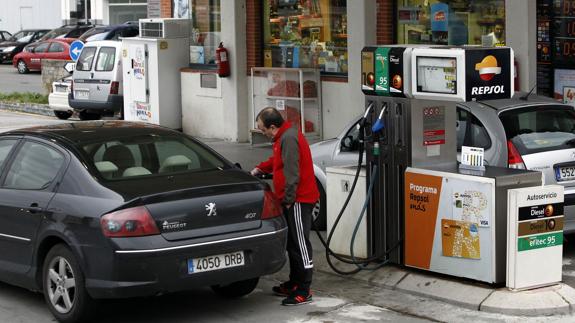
x=222, y=61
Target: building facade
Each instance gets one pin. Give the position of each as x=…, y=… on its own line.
x=29, y=14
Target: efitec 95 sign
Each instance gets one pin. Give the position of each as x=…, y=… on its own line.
x=488, y=74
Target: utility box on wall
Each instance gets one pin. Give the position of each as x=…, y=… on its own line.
x=151, y=69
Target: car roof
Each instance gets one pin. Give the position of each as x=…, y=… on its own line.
x=80, y=133
x=520, y=99
x=98, y=43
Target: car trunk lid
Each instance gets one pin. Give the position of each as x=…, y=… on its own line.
x=198, y=205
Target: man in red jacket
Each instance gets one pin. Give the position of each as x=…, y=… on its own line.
x=294, y=184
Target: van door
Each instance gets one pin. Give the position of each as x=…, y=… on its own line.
x=104, y=72
x=137, y=72
x=83, y=76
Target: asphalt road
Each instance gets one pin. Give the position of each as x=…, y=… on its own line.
x=11, y=81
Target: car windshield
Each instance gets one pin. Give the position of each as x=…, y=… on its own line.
x=94, y=34
x=57, y=33
x=150, y=155
x=22, y=36
x=540, y=128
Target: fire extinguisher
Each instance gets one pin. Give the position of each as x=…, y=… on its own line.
x=222, y=60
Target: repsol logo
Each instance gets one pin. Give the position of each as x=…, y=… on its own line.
x=494, y=89
x=422, y=189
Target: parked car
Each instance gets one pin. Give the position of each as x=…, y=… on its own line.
x=4, y=35
x=14, y=45
x=97, y=81
x=113, y=32
x=58, y=98
x=68, y=31
x=537, y=133
x=113, y=209
x=31, y=57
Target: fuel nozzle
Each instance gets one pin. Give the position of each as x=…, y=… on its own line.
x=363, y=120
x=380, y=123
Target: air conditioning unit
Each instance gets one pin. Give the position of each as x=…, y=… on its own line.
x=165, y=28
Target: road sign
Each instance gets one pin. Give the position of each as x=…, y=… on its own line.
x=70, y=67
x=76, y=49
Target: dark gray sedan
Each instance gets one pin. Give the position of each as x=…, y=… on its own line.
x=116, y=209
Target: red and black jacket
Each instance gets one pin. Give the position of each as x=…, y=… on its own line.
x=292, y=167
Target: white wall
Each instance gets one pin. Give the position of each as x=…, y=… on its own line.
x=29, y=14
x=521, y=35
x=344, y=101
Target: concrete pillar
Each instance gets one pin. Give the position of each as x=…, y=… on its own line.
x=521, y=35
x=235, y=87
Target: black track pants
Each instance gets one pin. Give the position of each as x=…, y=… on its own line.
x=299, y=218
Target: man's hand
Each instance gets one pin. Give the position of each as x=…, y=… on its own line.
x=256, y=171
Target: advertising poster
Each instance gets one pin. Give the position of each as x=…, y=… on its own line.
x=471, y=203
x=143, y=111
x=564, y=89
x=422, y=194
x=460, y=239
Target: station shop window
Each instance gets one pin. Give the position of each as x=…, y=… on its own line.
x=205, y=31
x=451, y=22
x=306, y=34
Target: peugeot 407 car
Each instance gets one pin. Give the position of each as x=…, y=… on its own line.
x=527, y=132
x=110, y=209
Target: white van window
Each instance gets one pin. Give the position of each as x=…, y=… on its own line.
x=106, y=57
x=86, y=59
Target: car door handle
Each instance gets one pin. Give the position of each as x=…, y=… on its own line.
x=34, y=208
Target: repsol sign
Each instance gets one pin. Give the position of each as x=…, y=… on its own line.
x=488, y=73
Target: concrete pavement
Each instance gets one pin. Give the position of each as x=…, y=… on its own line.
x=557, y=300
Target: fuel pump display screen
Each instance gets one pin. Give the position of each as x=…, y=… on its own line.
x=437, y=75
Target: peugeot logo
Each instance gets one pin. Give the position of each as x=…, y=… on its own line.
x=211, y=208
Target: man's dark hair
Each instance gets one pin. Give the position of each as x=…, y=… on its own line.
x=270, y=116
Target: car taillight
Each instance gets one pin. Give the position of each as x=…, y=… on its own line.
x=514, y=159
x=272, y=207
x=115, y=88
x=132, y=222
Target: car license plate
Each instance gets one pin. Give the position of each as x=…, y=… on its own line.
x=61, y=88
x=209, y=263
x=82, y=95
x=566, y=173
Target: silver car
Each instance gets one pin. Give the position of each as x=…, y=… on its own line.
x=536, y=133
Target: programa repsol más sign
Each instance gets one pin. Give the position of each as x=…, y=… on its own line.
x=488, y=73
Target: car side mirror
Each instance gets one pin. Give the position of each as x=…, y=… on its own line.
x=347, y=144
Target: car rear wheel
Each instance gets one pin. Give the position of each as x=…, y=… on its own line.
x=64, y=289
x=63, y=115
x=237, y=289
x=22, y=67
x=319, y=210
x=85, y=115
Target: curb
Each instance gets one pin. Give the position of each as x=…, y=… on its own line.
x=553, y=300
x=41, y=109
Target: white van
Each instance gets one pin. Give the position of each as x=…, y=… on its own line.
x=97, y=81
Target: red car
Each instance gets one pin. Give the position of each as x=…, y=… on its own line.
x=32, y=55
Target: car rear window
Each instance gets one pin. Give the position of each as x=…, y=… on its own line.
x=540, y=128
x=106, y=57
x=150, y=155
x=86, y=58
